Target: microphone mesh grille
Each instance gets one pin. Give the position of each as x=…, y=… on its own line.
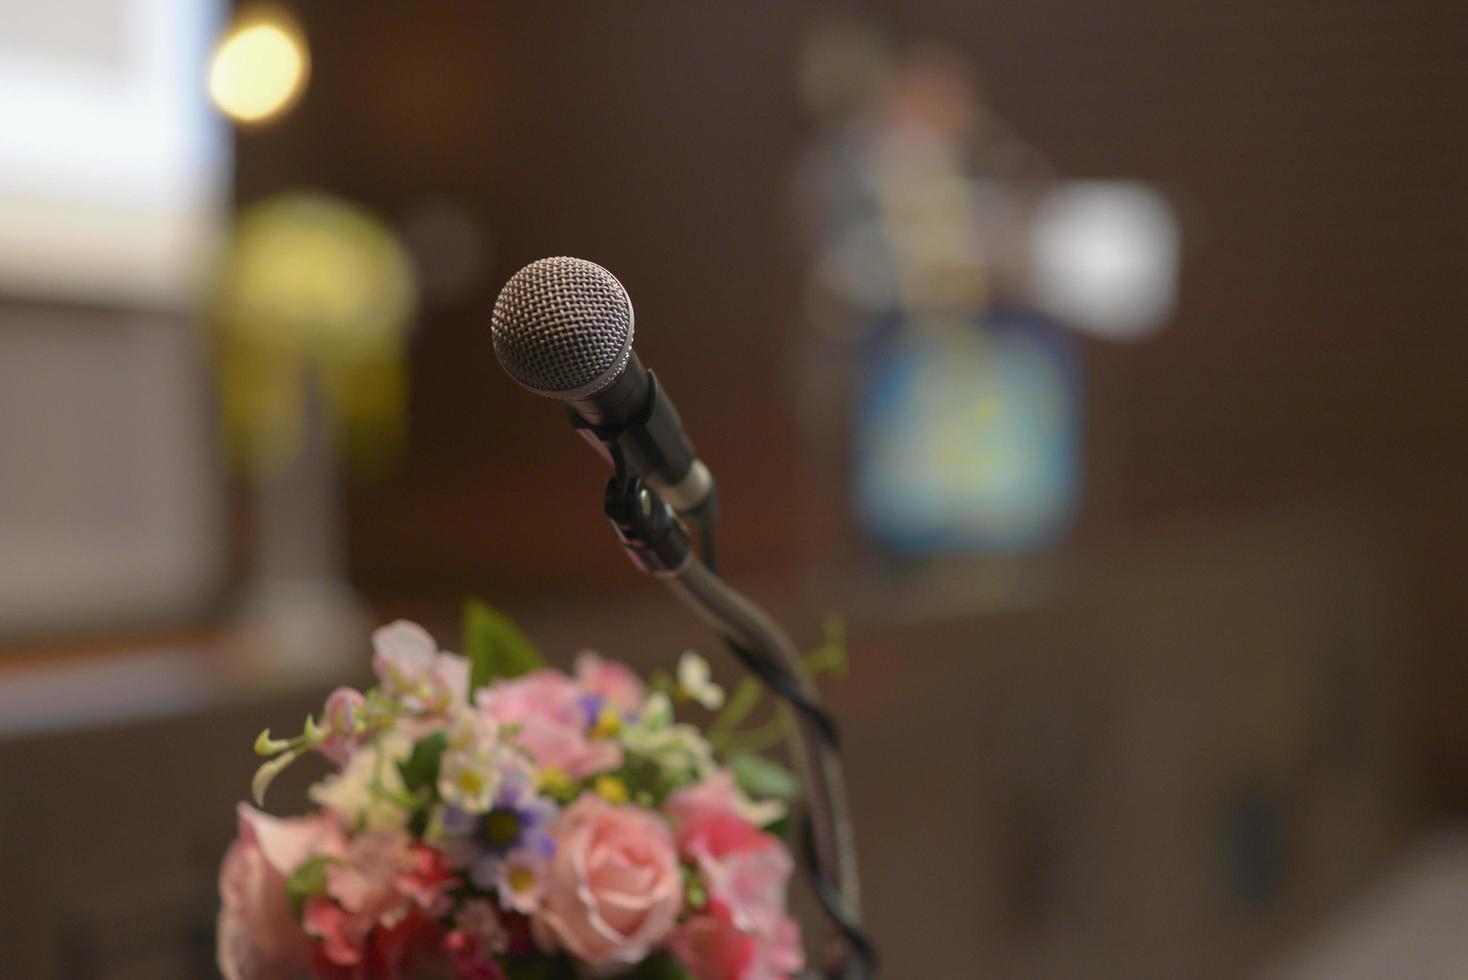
x=563, y=327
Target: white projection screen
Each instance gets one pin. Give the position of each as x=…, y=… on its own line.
x=112, y=167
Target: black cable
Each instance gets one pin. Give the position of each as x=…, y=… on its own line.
x=710, y=555
x=788, y=688
x=831, y=900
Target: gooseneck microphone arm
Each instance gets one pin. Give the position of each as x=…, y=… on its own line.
x=659, y=545
x=765, y=649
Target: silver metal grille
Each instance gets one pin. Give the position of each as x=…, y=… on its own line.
x=563, y=327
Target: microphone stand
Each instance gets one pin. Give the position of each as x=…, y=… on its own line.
x=658, y=543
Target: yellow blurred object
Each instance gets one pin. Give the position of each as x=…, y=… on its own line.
x=261, y=65
x=314, y=293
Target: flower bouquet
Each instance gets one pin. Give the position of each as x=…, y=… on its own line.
x=488, y=817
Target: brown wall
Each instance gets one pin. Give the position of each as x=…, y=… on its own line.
x=1319, y=354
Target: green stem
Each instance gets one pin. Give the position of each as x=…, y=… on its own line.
x=761, y=739
x=746, y=698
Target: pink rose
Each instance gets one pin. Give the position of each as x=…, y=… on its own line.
x=615, y=684
x=258, y=937
x=613, y=890
x=550, y=713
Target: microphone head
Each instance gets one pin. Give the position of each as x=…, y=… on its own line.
x=563, y=327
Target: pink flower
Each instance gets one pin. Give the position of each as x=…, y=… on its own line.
x=412, y=947
x=410, y=666
x=552, y=722
x=614, y=684
x=613, y=890
x=712, y=947
x=384, y=879
x=717, y=793
x=745, y=872
x=258, y=936
x=745, y=869
x=339, y=720
x=477, y=935
x=690, y=806
x=742, y=867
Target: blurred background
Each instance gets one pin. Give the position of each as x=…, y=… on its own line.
x=1103, y=366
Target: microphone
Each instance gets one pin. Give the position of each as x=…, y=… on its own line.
x=563, y=328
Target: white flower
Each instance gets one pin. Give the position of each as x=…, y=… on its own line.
x=365, y=793
x=657, y=712
x=680, y=752
x=473, y=731
x=695, y=681
x=469, y=773
x=468, y=780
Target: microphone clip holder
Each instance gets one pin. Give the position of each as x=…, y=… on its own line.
x=653, y=444
x=652, y=535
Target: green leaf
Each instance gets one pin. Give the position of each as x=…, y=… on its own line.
x=305, y=882
x=420, y=769
x=659, y=966
x=495, y=646
x=764, y=779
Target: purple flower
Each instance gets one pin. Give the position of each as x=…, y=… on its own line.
x=517, y=822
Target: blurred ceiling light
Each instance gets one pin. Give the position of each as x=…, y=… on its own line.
x=1104, y=258
x=260, y=67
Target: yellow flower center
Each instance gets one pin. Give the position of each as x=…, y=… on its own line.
x=502, y=827
x=611, y=789
x=608, y=724
x=471, y=783
x=521, y=879
x=553, y=781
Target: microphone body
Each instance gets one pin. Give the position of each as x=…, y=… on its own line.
x=563, y=328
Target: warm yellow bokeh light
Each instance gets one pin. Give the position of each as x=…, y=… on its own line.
x=259, y=69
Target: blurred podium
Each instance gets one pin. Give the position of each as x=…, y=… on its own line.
x=1174, y=766
x=119, y=775
x=1168, y=769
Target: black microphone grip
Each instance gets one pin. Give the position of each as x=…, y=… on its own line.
x=635, y=415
